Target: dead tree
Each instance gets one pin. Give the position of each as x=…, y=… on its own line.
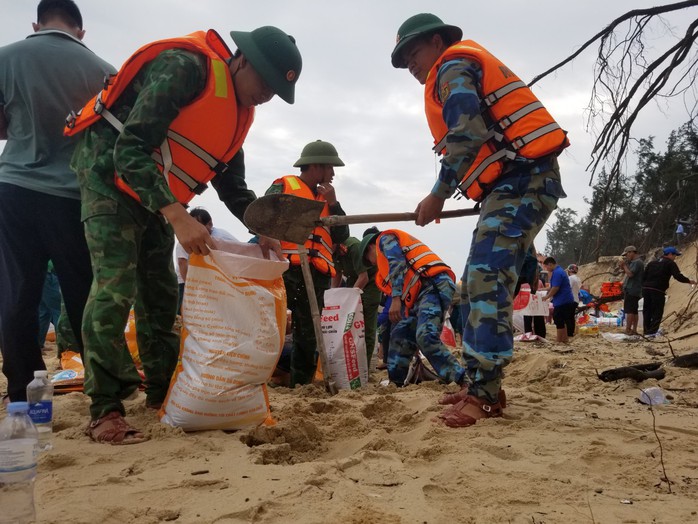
x=626, y=80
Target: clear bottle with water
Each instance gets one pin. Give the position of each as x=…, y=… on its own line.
x=40, y=398
x=18, y=450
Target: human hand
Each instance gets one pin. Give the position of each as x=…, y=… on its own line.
x=193, y=235
x=395, y=311
x=428, y=209
x=272, y=244
x=327, y=191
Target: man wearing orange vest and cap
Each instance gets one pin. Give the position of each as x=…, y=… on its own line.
x=173, y=119
x=317, y=162
x=421, y=286
x=499, y=147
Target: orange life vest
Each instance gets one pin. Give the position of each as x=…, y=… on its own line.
x=205, y=135
x=319, y=243
x=421, y=263
x=518, y=123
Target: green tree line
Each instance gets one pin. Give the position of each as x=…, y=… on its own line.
x=642, y=209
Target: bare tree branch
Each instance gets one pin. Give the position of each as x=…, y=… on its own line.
x=626, y=80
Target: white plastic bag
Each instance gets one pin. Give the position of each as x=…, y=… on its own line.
x=234, y=316
x=343, y=332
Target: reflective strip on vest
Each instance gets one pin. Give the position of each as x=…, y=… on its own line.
x=494, y=157
x=521, y=141
x=530, y=108
x=495, y=96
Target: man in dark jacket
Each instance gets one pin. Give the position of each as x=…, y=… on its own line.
x=656, y=282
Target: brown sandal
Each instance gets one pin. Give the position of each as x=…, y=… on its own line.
x=455, y=398
x=454, y=417
x=113, y=429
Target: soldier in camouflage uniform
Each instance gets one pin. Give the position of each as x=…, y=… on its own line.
x=350, y=263
x=131, y=241
x=417, y=327
x=513, y=209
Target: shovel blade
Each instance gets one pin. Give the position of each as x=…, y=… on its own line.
x=283, y=217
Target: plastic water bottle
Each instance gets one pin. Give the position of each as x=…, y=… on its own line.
x=18, y=450
x=40, y=398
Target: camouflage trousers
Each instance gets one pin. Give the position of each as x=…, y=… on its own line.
x=511, y=216
x=303, y=354
x=421, y=330
x=131, y=251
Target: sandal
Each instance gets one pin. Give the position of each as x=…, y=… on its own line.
x=468, y=411
x=113, y=429
x=455, y=398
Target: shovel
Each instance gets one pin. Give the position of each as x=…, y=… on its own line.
x=292, y=219
x=330, y=385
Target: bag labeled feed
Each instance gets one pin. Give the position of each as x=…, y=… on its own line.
x=342, y=322
x=234, y=317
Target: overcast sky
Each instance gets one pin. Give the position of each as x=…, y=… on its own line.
x=349, y=94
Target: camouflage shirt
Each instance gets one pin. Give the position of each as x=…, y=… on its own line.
x=147, y=107
x=397, y=264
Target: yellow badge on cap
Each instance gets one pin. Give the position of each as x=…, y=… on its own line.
x=445, y=90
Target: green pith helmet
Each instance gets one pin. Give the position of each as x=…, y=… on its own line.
x=319, y=152
x=274, y=55
x=365, y=242
x=417, y=25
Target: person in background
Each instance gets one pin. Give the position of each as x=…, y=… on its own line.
x=182, y=264
x=42, y=78
x=317, y=162
x=655, y=283
x=173, y=119
x=564, y=305
x=500, y=148
x=634, y=268
x=575, y=282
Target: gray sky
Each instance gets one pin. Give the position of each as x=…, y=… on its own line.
x=350, y=95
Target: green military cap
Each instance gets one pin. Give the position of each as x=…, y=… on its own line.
x=417, y=25
x=274, y=55
x=365, y=242
x=319, y=152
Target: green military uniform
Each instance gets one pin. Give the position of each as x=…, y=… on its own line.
x=348, y=260
x=130, y=243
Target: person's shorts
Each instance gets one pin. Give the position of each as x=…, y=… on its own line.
x=563, y=313
x=630, y=304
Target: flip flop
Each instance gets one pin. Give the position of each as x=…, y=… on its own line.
x=113, y=429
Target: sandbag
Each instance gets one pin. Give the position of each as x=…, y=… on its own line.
x=342, y=322
x=234, y=318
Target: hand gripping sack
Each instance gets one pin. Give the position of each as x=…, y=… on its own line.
x=234, y=318
x=343, y=332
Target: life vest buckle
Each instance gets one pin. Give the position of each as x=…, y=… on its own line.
x=99, y=105
x=70, y=120
x=200, y=188
x=107, y=81
x=220, y=168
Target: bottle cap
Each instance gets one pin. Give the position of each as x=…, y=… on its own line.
x=42, y=373
x=18, y=407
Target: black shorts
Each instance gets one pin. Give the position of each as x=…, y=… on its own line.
x=630, y=304
x=563, y=314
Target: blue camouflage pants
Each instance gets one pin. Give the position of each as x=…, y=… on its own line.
x=421, y=330
x=511, y=216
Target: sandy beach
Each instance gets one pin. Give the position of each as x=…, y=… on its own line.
x=570, y=448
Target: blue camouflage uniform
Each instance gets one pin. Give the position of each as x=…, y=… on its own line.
x=512, y=213
x=420, y=329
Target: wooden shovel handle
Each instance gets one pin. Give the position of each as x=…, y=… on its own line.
x=336, y=220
